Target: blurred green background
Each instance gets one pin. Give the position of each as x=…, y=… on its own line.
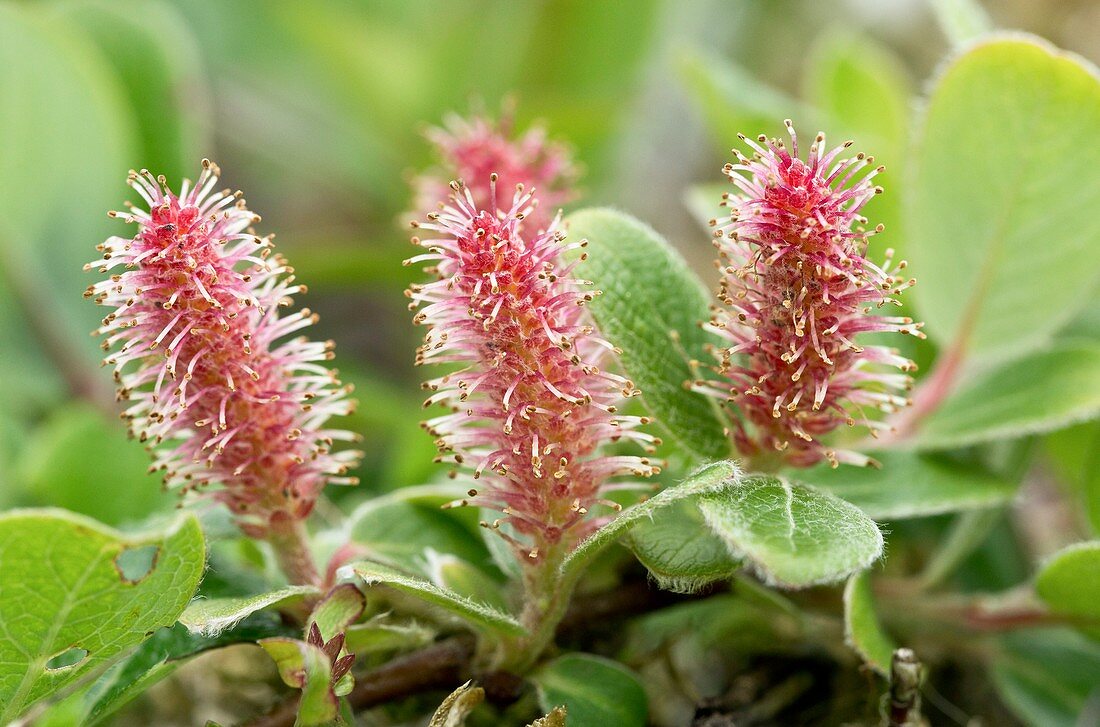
x=316, y=110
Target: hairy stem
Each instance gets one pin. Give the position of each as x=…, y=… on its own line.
x=290, y=541
x=546, y=598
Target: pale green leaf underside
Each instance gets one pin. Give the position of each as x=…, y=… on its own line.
x=211, y=616
x=594, y=691
x=479, y=615
x=1070, y=584
x=1004, y=237
x=791, y=534
x=648, y=293
x=909, y=485
x=680, y=551
x=62, y=593
x=862, y=630
x=1039, y=393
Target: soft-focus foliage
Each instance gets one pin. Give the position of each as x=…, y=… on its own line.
x=712, y=592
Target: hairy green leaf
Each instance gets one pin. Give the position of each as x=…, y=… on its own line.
x=651, y=307
x=792, y=535
x=1003, y=238
x=74, y=595
x=594, y=691
x=910, y=485
x=713, y=477
x=680, y=551
x=161, y=655
x=1038, y=393
x=862, y=629
x=479, y=615
x=211, y=616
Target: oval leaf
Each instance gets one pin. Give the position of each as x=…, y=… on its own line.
x=791, y=534
x=862, y=629
x=1039, y=393
x=593, y=690
x=680, y=551
x=649, y=297
x=1070, y=584
x=479, y=615
x=1003, y=234
x=90, y=601
x=713, y=477
x=911, y=485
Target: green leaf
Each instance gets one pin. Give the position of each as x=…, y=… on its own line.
x=161, y=655
x=594, y=691
x=862, y=630
x=401, y=531
x=962, y=20
x=735, y=101
x=634, y=267
x=791, y=534
x=1047, y=676
x=680, y=551
x=306, y=667
x=714, y=477
x=966, y=534
x=1075, y=453
x=458, y=704
x=339, y=609
x=70, y=124
x=910, y=485
x=157, y=62
x=863, y=89
x=80, y=451
x=459, y=576
x=1070, y=584
x=1039, y=393
x=479, y=615
x=380, y=635
x=704, y=202
x=74, y=595
x=211, y=616
x=1003, y=238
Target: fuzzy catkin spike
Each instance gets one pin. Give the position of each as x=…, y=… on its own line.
x=200, y=351
x=473, y=149
x=797, y=290
x=531, y=406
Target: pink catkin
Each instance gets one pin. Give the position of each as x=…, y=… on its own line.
x=530, y=408
x=472, y=149
x=797, y=290
x=194, y=339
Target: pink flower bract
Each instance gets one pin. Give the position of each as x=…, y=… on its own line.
x=530, y=408
x=798, y=290
x=199, y=349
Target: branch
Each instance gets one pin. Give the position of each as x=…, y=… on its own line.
x=445, y=664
